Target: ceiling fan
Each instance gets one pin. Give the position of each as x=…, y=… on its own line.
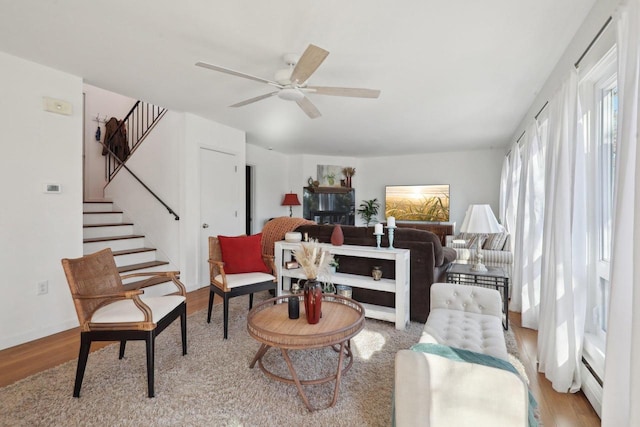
x=292, y=81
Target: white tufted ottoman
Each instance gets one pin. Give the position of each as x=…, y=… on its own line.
x=434, y=391
x=466, y=317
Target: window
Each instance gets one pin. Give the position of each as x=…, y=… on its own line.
x=599, y=103
x=606, y=152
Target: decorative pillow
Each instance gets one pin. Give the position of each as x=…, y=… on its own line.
x=496, y=241
x=242, y=254
x=471, y=239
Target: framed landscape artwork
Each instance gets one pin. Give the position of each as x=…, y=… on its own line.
x=429, y=203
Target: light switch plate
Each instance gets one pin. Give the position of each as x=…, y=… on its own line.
x=52, y=188
x=57, y=106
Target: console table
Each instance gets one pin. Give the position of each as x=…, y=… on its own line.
x=398, y=286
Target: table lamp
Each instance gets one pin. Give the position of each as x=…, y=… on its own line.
x=480, y=219
x=291, y=199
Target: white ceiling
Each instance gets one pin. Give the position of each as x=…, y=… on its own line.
x=454, y=75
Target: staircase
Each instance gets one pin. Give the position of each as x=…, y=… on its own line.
x=105, y=227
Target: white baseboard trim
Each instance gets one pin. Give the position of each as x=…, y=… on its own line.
x=592, y=389
x=35, y=334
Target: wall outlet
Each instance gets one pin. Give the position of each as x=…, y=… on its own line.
x=43, y=287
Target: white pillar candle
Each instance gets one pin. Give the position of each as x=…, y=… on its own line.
x=391, y=222
x=378, y=229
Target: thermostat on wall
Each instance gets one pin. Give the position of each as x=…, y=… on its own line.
x=52, y=188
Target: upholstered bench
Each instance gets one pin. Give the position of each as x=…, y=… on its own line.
x=436, y=389
x=466, y=317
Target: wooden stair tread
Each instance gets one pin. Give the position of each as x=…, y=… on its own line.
x=106, y=239
x=113, y=224
x=140, y=266
x=101, y=212
x=153, y=281
x=132, y=251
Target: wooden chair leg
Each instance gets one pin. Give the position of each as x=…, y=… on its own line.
x=226, y=314
x=85, y=345
x=122, y=346
x=211, y=295
x=183, y=330
x=150, y=340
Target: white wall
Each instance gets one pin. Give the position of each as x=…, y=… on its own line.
x=473, y=176
x=200, y=132
x=270, y=182
x=105, y=104
x=37, y=230
x=596, y=18
x=155, y=163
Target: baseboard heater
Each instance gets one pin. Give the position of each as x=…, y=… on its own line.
x=592, y=386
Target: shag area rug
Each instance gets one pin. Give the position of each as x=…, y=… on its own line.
x=212, y=384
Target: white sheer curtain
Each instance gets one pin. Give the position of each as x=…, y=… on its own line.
x=511, y=188
x=504, y=180
x=525, y=295
x=564, y=287
x=621, y=391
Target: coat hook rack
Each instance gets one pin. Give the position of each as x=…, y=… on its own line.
x=99, y=120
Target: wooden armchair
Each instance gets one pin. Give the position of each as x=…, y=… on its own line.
x=107, y=311
x=228, y=285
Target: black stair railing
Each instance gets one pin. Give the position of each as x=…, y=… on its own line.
x=130, y=132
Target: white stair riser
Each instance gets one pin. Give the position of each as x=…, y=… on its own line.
x=97, y=207
x=115, y=245
x=135, y=258
x=111, y=231
x=102, y=218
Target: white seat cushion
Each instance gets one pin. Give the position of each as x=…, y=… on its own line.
x=469, y=331
x=126, y=310
x=244, y=279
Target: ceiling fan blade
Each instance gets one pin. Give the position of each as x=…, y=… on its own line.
x=237, y=73
x=344, y=91
x=308, y=107
x=308, y=63
x=252, y=100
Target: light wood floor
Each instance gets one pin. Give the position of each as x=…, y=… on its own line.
x=556, y=409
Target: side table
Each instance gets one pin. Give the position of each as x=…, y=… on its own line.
x=494, y=277
x=269, y=324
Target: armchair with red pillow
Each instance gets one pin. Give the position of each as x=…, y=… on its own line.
x=238, y=267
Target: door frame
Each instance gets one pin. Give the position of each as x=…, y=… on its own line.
x=239, y=162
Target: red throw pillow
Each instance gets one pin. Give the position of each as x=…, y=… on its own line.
x=242, y=254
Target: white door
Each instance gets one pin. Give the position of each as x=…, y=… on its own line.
x=220, y=202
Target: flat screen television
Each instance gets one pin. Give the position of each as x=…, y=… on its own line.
x=427, y=203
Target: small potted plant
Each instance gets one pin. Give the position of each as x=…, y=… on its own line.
x=333, y=265
x=369, y=210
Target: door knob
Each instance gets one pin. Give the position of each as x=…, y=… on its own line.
x=205, y=225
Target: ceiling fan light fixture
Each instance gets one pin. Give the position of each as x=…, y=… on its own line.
x=283, y=76
x=290, y=94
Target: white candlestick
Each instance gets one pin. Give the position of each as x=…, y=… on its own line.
x=378, y=229
x=391, y=222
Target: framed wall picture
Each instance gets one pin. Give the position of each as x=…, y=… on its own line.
x=330, y=175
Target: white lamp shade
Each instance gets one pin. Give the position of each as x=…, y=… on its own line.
x=480, y=219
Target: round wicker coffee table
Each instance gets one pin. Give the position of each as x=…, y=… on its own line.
x=269, y=323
